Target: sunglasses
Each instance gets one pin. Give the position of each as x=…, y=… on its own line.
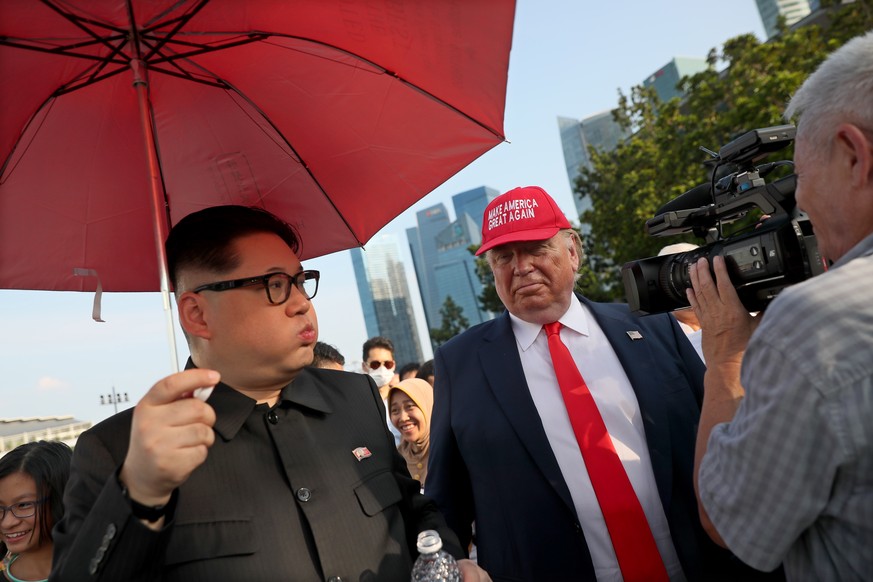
x=376, y=364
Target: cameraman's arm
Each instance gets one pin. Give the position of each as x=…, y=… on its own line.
x=727, y=327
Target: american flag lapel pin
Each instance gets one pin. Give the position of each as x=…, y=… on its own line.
x=362, y=453
x=634, y=335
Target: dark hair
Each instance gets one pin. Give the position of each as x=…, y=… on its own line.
x=204, y=239
x=48, y=464
x=326, y=353
x=425, y=370
x=410, y=367
x=378, y=342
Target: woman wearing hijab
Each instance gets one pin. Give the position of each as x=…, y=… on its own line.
x=410, y=403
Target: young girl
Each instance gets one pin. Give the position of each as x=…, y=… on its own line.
x=32, y=481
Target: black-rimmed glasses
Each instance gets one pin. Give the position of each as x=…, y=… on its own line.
x=20, y=510
x=277, y=285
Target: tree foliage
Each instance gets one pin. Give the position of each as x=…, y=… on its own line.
x=746, y=86
x=662, y=159
x=453, y=322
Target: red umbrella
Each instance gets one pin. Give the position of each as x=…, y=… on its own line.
x=336, y=115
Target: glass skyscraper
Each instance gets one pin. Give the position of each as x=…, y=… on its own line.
x=666, y=79
x=473, y=203
x=792, y=10
x=598, y=130
x=385, y=297
x=440, y=252
x=422, y=245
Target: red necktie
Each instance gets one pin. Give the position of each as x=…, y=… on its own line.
x=631, y=536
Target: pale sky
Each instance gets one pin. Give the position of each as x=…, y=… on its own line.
x=569, y=58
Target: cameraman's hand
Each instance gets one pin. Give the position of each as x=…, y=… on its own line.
x=726, y=323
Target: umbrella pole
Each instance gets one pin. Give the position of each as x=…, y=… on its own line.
x=140, y=83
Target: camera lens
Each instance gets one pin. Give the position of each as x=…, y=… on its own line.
x=674, y=278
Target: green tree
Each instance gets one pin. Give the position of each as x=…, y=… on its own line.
x=488, y=299
x=453, y=322
x=662, y=159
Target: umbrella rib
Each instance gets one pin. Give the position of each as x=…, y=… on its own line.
x=79, y=21
x=181, y=73
x=180, y=21
x=188, y=77
x=303, y=164
x=81, y=83
x=48, y=102
x=64, y=50
x=201, y=49
x=444, y=103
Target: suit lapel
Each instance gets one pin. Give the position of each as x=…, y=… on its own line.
x=502, y=366
x=645, y=377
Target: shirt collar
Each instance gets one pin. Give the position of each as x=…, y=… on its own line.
x=574, y=318
x=863, y=248
x=305, y=390
x=232, y=407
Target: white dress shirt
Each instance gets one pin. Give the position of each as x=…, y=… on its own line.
x=615, y=398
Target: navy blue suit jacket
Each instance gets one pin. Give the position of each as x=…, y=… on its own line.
x=490, y=460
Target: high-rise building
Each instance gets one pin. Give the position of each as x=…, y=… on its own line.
x=473, y=203
x=422, y=245
x=368, y=306
x=443, y=263
x=455, y=271
x=385, y=297
x=603, y=133
x=792, y=10
x=599, y=130
x=666, y=79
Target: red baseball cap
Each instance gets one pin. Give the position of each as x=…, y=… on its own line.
x=522, y=214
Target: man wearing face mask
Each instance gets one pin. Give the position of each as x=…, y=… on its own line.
x=378, y=362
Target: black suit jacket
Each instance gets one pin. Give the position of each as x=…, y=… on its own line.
x=359, y=517
x=490, y=459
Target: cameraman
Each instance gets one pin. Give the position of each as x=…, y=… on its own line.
x=784, y=459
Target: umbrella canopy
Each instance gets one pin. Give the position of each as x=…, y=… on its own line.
x=120, y=117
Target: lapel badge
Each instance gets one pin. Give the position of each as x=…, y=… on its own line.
x=362, y=453
x=634, y=335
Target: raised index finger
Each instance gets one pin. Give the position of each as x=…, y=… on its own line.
x=177, y=385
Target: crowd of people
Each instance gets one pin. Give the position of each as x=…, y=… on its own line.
x=563, y=440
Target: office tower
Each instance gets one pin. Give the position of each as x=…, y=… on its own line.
x=666, y=79
x=422, y=245
x=473, y=203
x=600, y=131
x=455, y=270
x=443, y=263
x=771, y=10
x=385, y=297
x=368, y=305
x=604, y=134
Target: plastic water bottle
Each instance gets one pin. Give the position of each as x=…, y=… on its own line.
x=434, y=564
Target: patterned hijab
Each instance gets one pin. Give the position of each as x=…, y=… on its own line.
x=421, y=392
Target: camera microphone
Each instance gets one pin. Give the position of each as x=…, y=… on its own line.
x=691, y=200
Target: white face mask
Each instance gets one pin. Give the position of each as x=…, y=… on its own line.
x=381, y=375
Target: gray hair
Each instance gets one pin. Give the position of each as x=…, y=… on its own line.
x=839, y=91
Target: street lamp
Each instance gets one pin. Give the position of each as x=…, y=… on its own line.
x=114, y=399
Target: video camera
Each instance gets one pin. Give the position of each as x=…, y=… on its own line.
x=778, y=252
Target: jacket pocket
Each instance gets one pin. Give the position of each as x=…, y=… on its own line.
x=378, y=492
x=198, y=541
